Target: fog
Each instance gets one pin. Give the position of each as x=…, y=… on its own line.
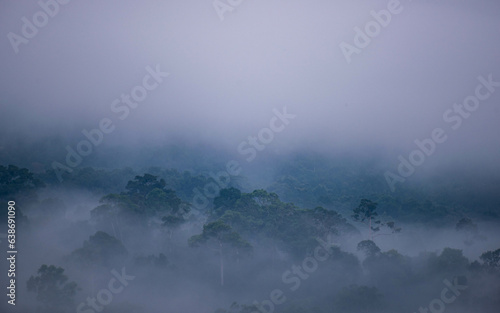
x=226, y=77
x=144, y=135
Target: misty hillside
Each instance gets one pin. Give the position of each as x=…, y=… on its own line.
x=232, y=156
x=231, y=240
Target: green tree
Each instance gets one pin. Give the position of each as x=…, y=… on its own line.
x=491, y=259
x=220, y=237
x=325, y=223
x=369, y=248
x=145, y=199
x=366, y=213
x=172, y=222
x=276, y=224
x=142, y=185
x=449, y=262
x=101, y=249
x=53, y=289
x=19, y=185
x=15, y=180
x=226, y=200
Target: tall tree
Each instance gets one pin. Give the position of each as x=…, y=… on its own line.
x=220, y=237
x=144, y=200
x=366, y=213
x=325, y=223
x=491, y=259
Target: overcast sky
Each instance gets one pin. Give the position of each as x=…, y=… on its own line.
x=226, y=76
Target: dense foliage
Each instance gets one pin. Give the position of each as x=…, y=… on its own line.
x=253, y=241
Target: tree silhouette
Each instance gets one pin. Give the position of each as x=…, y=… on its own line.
x=101, y=249
x=491, y=259
x=220, y=237
x=15, y=180
x=369, y=248
x=53, y=289
x=366, y=213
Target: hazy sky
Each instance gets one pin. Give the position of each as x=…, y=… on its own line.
x=227, y=76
